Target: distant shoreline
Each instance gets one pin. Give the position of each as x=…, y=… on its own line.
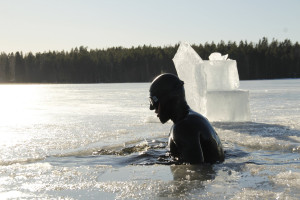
x=264, y=60
x=1, y=83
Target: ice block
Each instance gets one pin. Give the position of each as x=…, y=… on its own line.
x=221, y=74
x=189, y=69
x=228, y=105
x=212, y=85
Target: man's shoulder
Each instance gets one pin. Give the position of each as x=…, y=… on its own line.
x=193, y=121
x=193, y=117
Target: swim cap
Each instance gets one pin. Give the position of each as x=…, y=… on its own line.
x=164, y=87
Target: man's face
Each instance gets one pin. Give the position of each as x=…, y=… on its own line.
x=157, y=110
x=162, y=117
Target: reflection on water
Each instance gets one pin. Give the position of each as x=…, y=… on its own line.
x=193, y=172
x=190, y=177
x=17, y=103
x=92, y=141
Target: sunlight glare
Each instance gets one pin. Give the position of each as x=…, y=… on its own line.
x=17, y=103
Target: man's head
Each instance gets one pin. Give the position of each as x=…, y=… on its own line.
x=166, y=91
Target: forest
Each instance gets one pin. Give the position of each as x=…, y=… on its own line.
x=261, y=60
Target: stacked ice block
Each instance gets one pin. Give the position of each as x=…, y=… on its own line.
x=212, y=85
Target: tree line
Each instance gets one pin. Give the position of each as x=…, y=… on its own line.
x=263, y=60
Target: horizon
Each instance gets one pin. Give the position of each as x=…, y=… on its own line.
x=104, y=49
x=40, y=26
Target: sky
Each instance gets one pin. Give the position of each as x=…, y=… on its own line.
x=56, y=25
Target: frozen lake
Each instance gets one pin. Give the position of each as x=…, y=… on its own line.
x=101, y=141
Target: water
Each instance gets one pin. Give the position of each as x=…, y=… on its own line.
x=100, y=141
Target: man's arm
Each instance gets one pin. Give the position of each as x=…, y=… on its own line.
x=187, y=142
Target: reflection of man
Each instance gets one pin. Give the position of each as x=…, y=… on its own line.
x=192, y=139
x=192, y=172
x=191, y=179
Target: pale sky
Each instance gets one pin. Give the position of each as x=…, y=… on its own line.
x=42, y=25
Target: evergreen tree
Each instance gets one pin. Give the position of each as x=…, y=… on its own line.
x=263, y=60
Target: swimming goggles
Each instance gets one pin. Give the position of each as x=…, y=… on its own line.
x=153, y=102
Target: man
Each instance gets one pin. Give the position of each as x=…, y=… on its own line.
x=192, y=139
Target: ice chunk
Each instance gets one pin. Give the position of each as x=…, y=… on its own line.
x=228, y=105
x=189, y=69
x=221, y=74
x=217, y=56
x=211, y=86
